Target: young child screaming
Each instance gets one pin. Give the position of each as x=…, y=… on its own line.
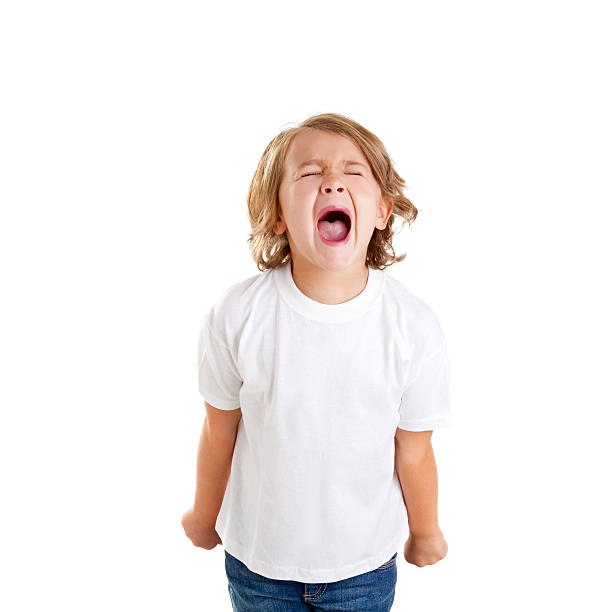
x=323, y=379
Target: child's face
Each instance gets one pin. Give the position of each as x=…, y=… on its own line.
x=307, y=189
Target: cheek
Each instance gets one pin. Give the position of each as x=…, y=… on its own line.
x=300, y=201
x=364, y=194
x=303, y=190
x=298, y=210
x=367, y=220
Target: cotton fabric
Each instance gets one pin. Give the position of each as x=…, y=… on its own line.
x=313, y=494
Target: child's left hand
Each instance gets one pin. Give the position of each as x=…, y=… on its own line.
x=423, y=550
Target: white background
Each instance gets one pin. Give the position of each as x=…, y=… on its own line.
x=129, y=134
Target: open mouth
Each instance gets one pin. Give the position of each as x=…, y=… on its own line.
x=334, y=226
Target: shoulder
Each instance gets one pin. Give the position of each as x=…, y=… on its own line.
x=410, y=307
x=415, y=317
x=232, y=305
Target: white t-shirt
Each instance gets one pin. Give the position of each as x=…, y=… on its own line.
x=313, y=494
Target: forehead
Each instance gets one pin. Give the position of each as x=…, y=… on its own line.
x=319, y=144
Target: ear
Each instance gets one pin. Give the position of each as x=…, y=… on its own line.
x=280, y=227
x=384, y=211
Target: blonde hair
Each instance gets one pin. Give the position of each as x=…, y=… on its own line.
x=269, y=249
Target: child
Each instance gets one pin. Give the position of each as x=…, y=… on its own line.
x=323, y=379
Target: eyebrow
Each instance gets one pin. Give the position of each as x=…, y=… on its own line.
x=321, y=162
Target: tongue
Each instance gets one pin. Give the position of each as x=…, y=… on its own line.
x=336, y=230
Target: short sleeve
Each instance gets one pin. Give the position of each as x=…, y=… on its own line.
x=425, y=402
x=218, y=377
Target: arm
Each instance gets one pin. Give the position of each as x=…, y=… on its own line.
x=215, y=452
x=416, y=469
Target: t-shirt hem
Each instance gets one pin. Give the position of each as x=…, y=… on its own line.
x=221, y=404
x=426, y=424
x=295, y=573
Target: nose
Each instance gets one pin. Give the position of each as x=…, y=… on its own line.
x=332, y=184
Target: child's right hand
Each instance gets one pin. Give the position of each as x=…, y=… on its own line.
x=201, y=534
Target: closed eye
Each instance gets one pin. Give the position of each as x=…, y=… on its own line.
x=312, y=173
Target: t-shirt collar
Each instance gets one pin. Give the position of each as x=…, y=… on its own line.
x=331, y=313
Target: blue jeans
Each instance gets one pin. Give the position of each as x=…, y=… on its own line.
x=373, y=591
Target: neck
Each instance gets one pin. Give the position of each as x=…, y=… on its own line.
x=329, y=286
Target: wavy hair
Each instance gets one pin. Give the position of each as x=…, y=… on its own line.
x=269, y=249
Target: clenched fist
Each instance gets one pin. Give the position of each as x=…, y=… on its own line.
x=423, y=550
x=200, y=533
